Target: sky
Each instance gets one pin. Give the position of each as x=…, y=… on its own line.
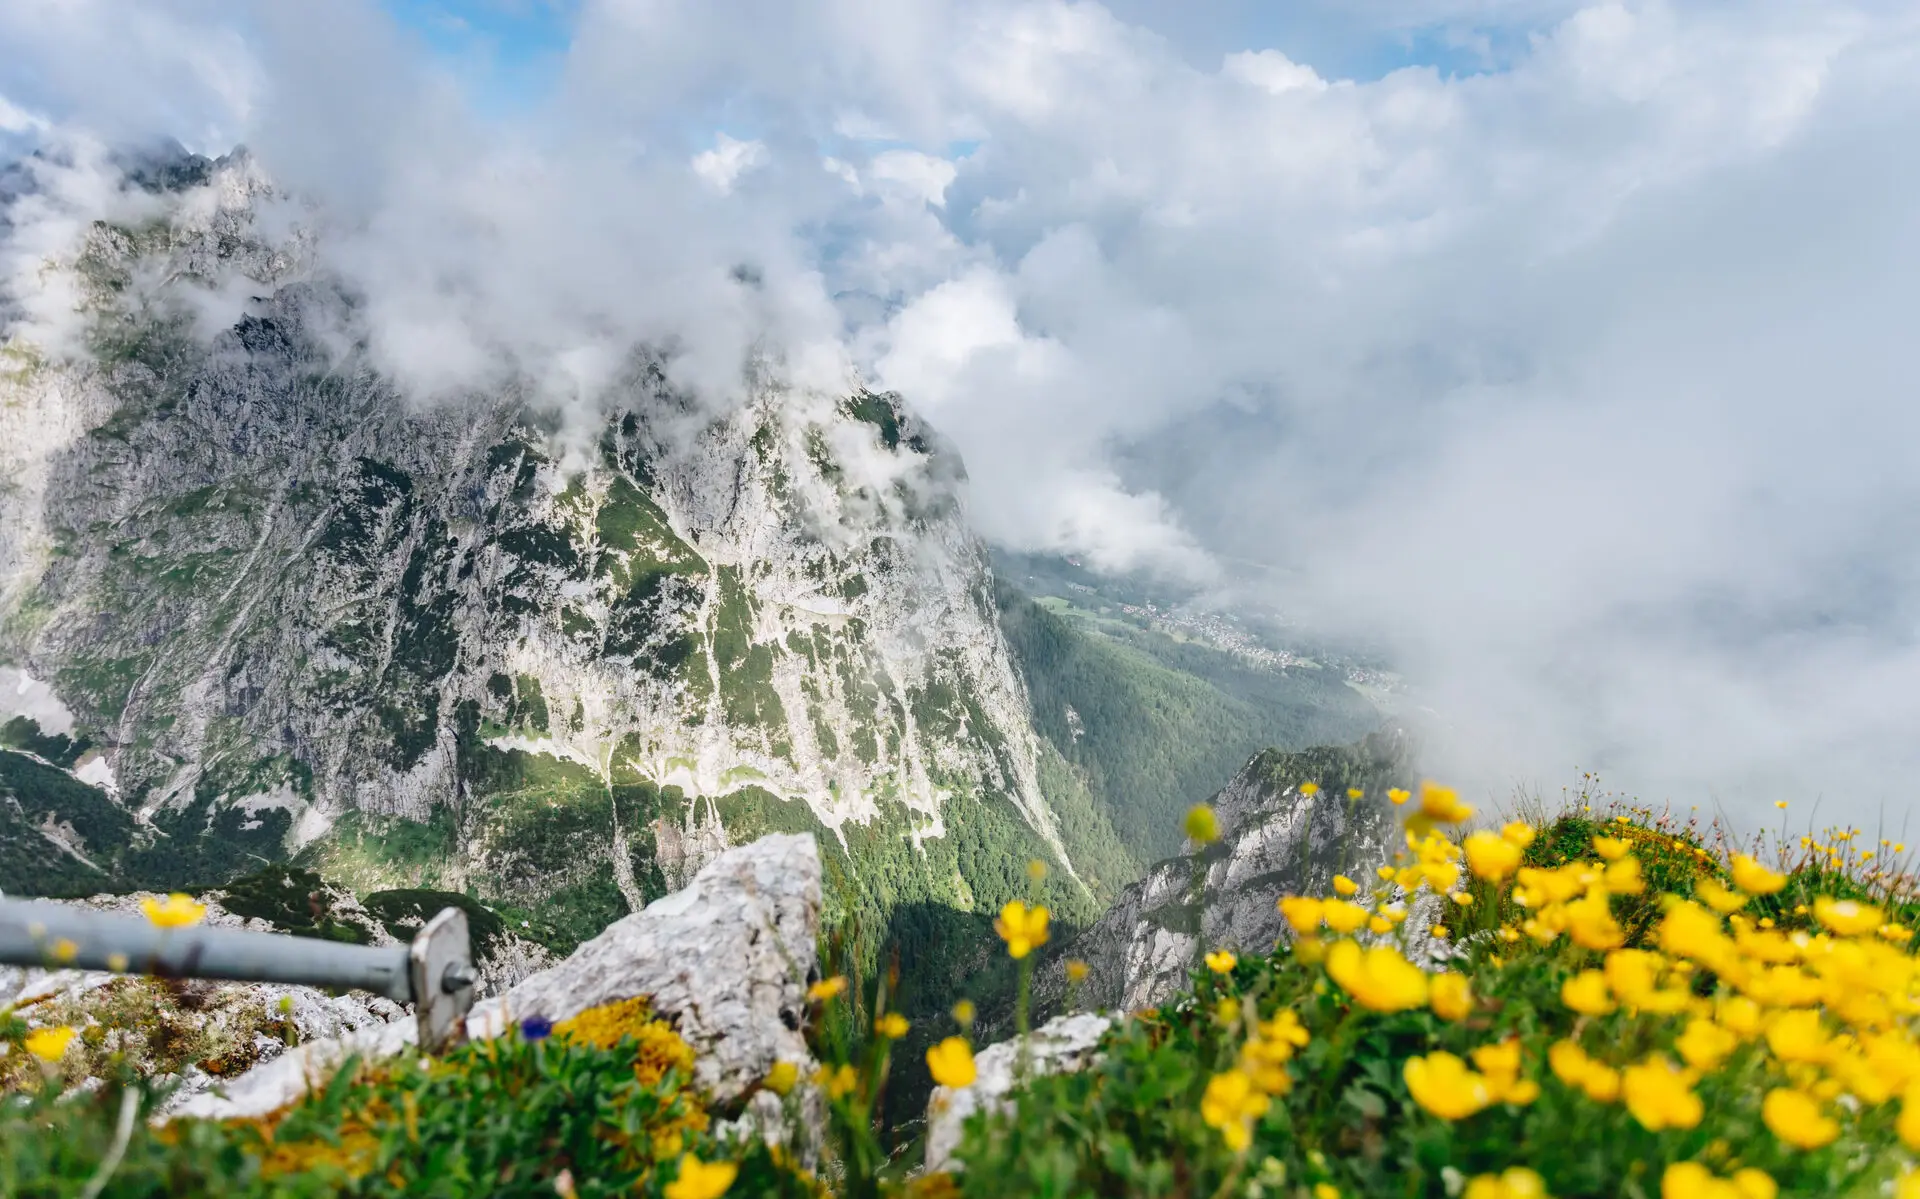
x=1562, y=349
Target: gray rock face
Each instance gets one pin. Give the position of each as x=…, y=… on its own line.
x=727, y=959
x=1061, y=1045
x=1274, y=841
x=295, y=608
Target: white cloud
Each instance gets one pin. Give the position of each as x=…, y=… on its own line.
x=923, y=177
x=729, y=159
x=1581, y=381
x=1272, y=71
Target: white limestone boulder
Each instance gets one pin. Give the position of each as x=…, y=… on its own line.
x=1063, y=1044
x=727, y=958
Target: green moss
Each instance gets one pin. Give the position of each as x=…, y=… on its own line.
x=746, y=669
x=403, y=913
x=294, y=901
x=368, y=853
x=34, y=795
x=23, y=733
x=529, y=705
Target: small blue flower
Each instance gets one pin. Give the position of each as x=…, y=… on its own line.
x=536, y=1028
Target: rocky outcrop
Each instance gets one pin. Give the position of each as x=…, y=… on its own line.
x=188, y=1033
x=1274, y=841
x=726, y=959
x=1061, y=1045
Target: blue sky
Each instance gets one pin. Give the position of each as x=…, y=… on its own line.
x=507, y=52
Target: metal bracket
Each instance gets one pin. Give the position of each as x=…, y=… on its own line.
x=441, y=963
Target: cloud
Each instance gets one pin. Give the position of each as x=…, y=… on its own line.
x=1580, y=380
x=729, y=159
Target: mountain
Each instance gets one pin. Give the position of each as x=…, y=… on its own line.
x=1274, y=841
x=555, y=656
x=1151, y=719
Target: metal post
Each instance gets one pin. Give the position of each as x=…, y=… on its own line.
x=435, y=973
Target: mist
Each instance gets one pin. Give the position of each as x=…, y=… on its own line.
x=1575, y=371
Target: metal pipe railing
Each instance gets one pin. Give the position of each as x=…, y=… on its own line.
x=435, y=973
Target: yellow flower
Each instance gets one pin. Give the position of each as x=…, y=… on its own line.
x=176, y=911
x=827, y=988
x=783, y=1076
x=1515, y=1182
x=1570, y=1064
x=1076, y=970
x=1450, y=996
x=1517, y=831
x=1705, y=1044
x=1222, y=961
x=1231, y=1104
x=49, y=1044
x=1355, y=793
x=1023, y=928
x=1441, y=1083
x=1379, y=979
x=1309, y=789
x=893, y=1026
x=1660, y=1095
x=1285, y=1028
x=1303, y=912
x=1037, y=870
x=1795, y=1117
x=838, y=1081
x=1719, y=898
x=1586, y=993
x=701, y=1180
x=1442, y=805
x=1325, y=1190
x=1227, y=1011
x=951, y=1063
x=1908, y=1125
x=1611, y=848
x=1344, y=885
x=1201, y=825
x=963, y=1011
x=1591, y=924
x=1846, y=917
x=1755, y=1184
x=1399, y=795
x=1310, y=951
x=1343, y=916
x=1797, y=1036
x=1753, y=878
x=1691, y=1180
x=65, y=950
x=1491, y=857
x=1264, y=1059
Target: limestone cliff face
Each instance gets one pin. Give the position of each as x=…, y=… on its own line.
x=1274, y=841
x=483, y=642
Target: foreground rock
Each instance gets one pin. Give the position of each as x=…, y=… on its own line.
x=726, y=958
x=1061, y=1045
x=1274, y=841
x=189, y=1033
